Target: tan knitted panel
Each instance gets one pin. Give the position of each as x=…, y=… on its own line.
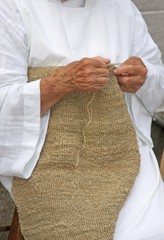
x=86, y=169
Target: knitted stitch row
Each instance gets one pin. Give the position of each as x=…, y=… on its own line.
x=86, y=169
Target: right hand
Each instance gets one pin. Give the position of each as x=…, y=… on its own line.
x=88, y=74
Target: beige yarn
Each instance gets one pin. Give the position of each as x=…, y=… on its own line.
x=86, y=170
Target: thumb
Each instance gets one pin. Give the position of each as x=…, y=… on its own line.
x=106, y=60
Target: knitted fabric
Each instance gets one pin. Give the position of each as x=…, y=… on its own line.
x=86, y=169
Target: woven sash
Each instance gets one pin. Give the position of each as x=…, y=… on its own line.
x=86, y=170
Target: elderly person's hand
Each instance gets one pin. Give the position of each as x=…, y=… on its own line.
x=131, y=74
x=88, y=74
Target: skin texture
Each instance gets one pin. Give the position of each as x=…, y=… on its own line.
x=131, y=75
x=90, y=74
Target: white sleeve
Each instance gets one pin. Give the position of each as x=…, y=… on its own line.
x=20, y=122
x=152, y=92
x=148, y=98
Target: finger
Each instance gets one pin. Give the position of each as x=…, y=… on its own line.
x=98, y=83
x=106, y=60
x=128, y=89
x=130, y=81
x=92, y=72
x=101, y=81
x=91, y=81
x=92, y=62
x=130, y=70
x=95, y=87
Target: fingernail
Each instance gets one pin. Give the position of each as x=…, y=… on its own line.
x=124, y=74
x=116, y=70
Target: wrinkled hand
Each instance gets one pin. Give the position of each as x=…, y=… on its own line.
x=131, y=75
x=88, y=74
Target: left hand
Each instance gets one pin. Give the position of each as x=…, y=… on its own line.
x=131, y=74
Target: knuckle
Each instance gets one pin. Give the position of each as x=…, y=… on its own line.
x=137, y=59
x=145, y=71
x=84, y=61
x=97, y=88
x=124, y=80
x=106, y=72
x=86, y=72
x=132, y=69
x=139, y=81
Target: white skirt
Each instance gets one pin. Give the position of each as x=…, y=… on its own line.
x=142, y=216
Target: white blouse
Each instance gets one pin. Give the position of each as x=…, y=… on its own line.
x=109, y=28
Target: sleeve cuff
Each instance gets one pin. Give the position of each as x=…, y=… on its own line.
x=149, y=80
x=31, y=129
